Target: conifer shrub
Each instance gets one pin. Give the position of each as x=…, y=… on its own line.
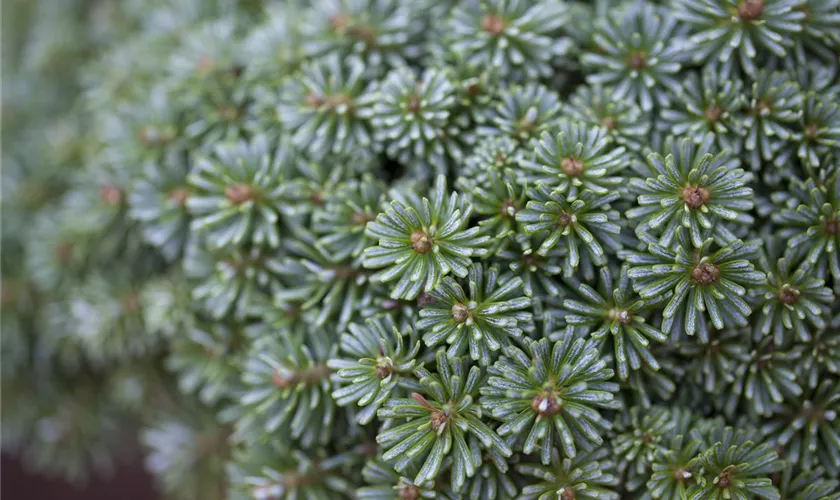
x=392, y=249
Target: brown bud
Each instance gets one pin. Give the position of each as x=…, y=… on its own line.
x=146, y=137
x=506, y=206
x=460, y=312
x=438, y=420
x=681, y=475
x=313, y=100
x=564, y=219
x=545, y=404
x=637, y=60
x=705, y=273
x=713, y=113
x=228, y=112
x=363, y=33
x=723, y=479
x=111, y=195
x=178, y=196
x=492, y=24
x=338, y=21
x=622, y=316
x=407, y=491
x=413, y=105
x=530, y=260
x=383, y=370
x=788, y=295
x=750, y=10
x=572, y=166
x=473, y=90
x=238, y=194
x=205, y=65
x=760, y=107
x=420, y=242
x=811, y=131
x=695, y=197
x=359, y=219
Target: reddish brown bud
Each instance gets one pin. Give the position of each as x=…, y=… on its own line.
x=492, y=24
x=111, y=195
x=788, y=295
x=407, y=491
x=811, y=131
x=622, y=316
x=359, y=219
x=228, y=112
x=504, y=208
x=460, y=312
x=420, y=242
x=572, y=166
x=363, y=33
x=413, y=105
x=564, y=219
x=338, y=21
x=238, y=194
x=713, y=113
x=438, y=420
x=178, y=196
x=637, y=60
x=723, y=479
x=705, y=274
x=313, y=100
x=545, y=404
x=695, y=196
x=750, y=10
x=681, y=475
x=383, y=370
x=205, y=64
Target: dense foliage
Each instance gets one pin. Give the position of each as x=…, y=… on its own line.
x=387, y=249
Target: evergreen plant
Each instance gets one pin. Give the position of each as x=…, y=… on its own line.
x=405, y=249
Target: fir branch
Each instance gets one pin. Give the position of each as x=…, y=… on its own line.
x=479, y=320
x=439, y=428
x=422, y=242
x=553, y=391
x=585, y=221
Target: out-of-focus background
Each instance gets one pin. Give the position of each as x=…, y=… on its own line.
x=130, y=482
x=52, y=52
